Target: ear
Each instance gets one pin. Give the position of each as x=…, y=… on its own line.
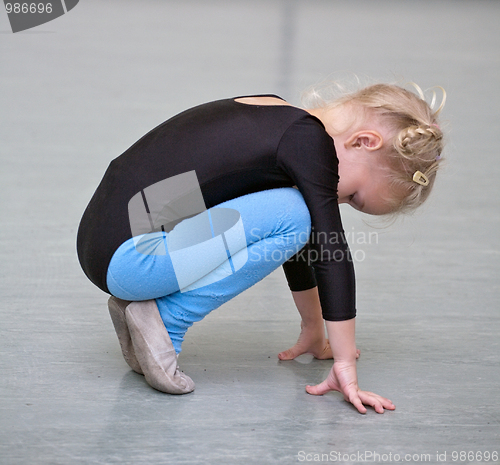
x=369, y=140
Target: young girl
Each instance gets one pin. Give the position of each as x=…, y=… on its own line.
x=204, y=206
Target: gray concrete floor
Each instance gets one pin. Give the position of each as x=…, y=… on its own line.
x=79, y=90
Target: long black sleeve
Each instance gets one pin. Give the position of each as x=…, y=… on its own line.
x=307, y=154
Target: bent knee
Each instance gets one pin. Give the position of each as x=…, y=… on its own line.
x=296, y=209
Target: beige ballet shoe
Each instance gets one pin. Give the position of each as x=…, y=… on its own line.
x=154, y=349
x=117, y=312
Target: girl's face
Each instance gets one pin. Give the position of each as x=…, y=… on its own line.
x=363, y=180
x=358, y=139
x=363, y=185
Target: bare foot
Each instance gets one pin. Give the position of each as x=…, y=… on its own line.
x=311, y=342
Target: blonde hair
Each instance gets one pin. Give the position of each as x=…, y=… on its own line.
x=413, y=152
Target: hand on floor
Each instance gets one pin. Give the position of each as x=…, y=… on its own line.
x=343, y=378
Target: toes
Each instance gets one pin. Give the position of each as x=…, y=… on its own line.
x=286, y=355
x=291, y=353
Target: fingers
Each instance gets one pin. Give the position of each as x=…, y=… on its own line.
x=356, y=401
x=377, y=402
x=387, y=404
x=352, y=395
x=357, y=398
x=319, y=389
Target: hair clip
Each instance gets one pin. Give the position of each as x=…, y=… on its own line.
x=420, y=178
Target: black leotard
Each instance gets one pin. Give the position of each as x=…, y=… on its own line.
x=235, y=149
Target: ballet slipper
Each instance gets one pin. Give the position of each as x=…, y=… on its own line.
x=154, y=349
x=117, y=312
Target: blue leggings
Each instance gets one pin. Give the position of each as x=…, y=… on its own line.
x=277, y=225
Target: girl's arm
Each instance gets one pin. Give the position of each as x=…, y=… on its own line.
x=343, y=376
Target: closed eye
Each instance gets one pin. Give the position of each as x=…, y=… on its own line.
x=355, y=203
